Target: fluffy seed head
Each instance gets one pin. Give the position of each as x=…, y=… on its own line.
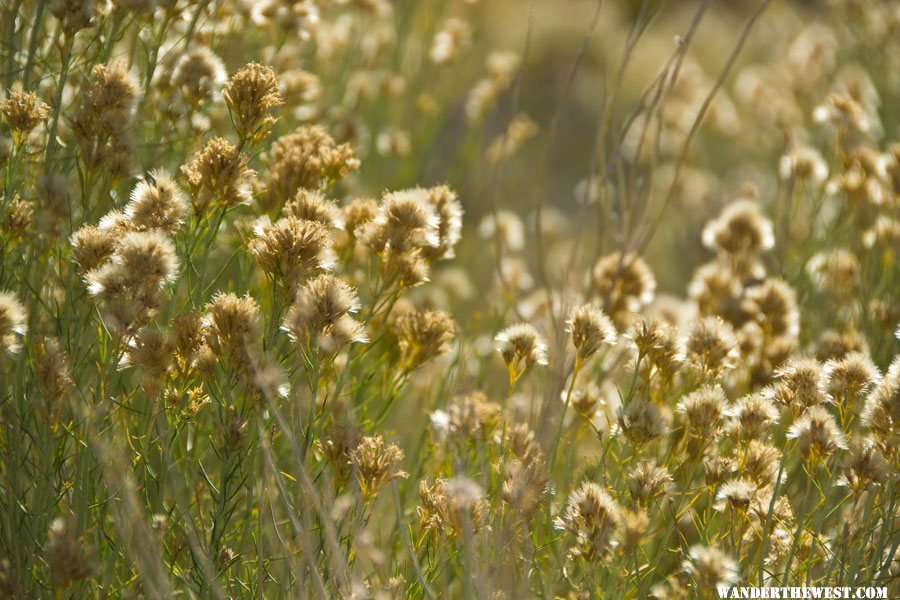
x=658, y=342
x=423, y=335
x=593, y=518
x=311, y=205
x=623, y=284
x=849, y=377
x=881, y=413
x=590, y=329
x=12, y=323
x=250, y=94
x=835, y=272
x=321, y=312
x=799, y=384
x=157, y=203
x=711, y=347
x=102, y=124
x=51, y=367
x=449, y=227
x=647, y=481
x=741, y=231
x=817, y=434
x=760, y=463
x=218, y=176
x=803, y=164
x=521, y=346
x=710, y=568
x=449, y=506
x=735, y=495
x=23, y=111
x=864, y=466
x=306, y=158
x=376, y=463
x=199, y=74
x=525, y=485
x=641, y=422
x=751, y=417
x=702, y=410
x=141, y=259
x=406, y=220
x=773, y=304
x=232, y=324
x=290, y=250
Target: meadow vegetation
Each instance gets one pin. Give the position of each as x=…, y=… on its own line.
x=448, y=298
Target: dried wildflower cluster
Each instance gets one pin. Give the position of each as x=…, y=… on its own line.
x=294, y=302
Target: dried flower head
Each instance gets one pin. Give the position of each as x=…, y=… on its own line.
x=740, y=232
x=449, y=226
x=322, y=313
x=291, y=250
x=586, y=400
x=16, y=220
x=199, y=74
x=864, y=466
x=634, y=526
x=593, y=518
x=658, y=342
x=157, y=203
x=129, y=284
x=805, y=164
x=847, y=378
x=735, y=495
x=715, y=288
x=506, y=227
x=306, y=158
x=469, y=417
x=711, y=347
x=884, y=234
x=751, y=417
x=102, y=125
x=773, y=304
x=817, y=434
x=23, y=112
x=91, y=246
x=647, y=481
x=760, y=463
x=881, y=413
x=218, y=176
x=422, y=335
x=641, y=422
x=12, y=323
x=521, y=346
x=835, y=272
x=357, y=213
x=710, y=568
x=406, y=220
x=844, y=113
x=590, y=329
x=799, y=384
x=337, y=444
x=250, y=94
x=51, y=368
x=310, y=205
x=376, y=464
x=702, y=410
x=232, y=325
x=525, y=484
x=450, y=506
x=623, y=283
